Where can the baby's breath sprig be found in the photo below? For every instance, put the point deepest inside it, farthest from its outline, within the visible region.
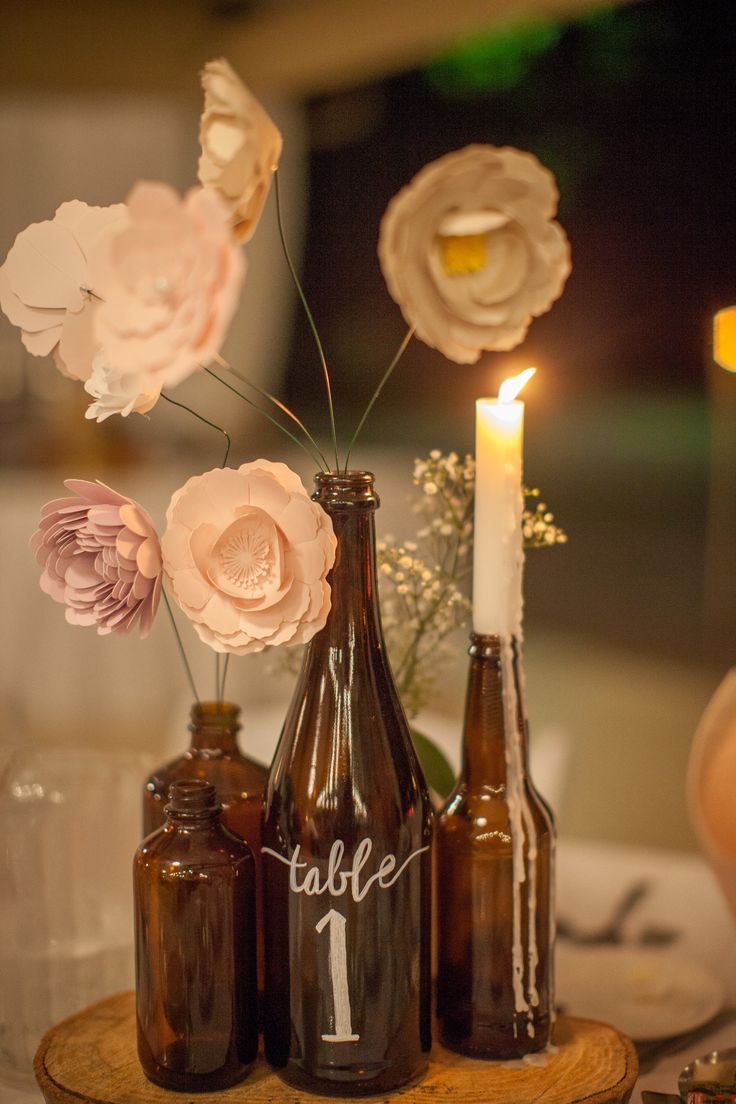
(538, 524)
(421, 605)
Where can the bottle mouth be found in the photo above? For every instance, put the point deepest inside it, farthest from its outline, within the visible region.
(193, 797)
(345, 488)
(212, 714)
(488, 646)
(484, 646)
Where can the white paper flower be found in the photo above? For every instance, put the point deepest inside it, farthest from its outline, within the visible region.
(169, 278)
(46, 285)
(118, 393)
(241, 146)
(469, 250)
(247, 553)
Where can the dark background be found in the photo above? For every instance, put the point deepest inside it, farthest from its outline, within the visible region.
(633, 110)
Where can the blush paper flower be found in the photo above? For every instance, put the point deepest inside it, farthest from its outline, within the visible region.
(169, 279)
(101, 558)
(115, 393)
(241, 146)
(470, 252)
(45, 284)
(247, 552)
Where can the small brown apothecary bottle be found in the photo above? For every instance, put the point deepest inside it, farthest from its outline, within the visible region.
(195, 940)
(214, 755)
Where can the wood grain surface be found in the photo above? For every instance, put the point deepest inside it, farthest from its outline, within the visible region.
(91, 1059)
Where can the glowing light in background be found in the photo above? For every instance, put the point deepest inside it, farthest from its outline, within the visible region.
(724, 338)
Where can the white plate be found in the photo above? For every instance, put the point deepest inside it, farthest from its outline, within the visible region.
(648, 994)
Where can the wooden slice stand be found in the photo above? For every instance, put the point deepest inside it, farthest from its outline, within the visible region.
(91, 1059)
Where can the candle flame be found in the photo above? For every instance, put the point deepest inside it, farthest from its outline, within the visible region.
(510, 388)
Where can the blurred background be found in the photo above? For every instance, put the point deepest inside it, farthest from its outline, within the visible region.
(630, 424)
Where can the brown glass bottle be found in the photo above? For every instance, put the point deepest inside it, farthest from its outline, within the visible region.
(195, 947)
(495, 845)
(346, 837)
(214, 755)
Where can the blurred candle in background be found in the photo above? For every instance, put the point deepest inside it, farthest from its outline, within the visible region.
(724, 338)
(498, 554)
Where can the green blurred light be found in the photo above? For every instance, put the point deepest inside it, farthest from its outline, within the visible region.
(493, 62)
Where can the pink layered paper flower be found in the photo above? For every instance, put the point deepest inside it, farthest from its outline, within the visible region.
(247, 553)
(169, 279)
(46, 285)
(101, 558)
(241, 146)
(470, 252)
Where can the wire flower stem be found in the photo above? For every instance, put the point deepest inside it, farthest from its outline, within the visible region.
(265, 414)
(224, 677)
(206, 421)
(397, 357)
(277, 402)
(180, 644)
(310, 318)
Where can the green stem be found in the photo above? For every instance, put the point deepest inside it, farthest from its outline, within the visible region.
(206, 421)
(277, 402)
(265, 414)
(310, 318)
(224, 677)
(181, 646)
(397, 357)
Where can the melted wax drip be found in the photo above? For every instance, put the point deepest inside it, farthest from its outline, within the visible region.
(521, 825)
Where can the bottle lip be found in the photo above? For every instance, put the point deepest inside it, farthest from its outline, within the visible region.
(345, 488)
(488, 645)
(193, 797)
(213, 713)
(484, 646)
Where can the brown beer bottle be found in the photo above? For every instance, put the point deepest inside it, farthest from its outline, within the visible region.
(214, 755)
(495, 843)
(346, 840)
(195, 944)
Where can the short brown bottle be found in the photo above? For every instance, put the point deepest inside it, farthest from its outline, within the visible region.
(195, 943)
(214, 755)
(495, 843)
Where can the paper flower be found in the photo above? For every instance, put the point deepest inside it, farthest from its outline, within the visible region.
(101, 558)
(469, 250)
(115, 393)
(241, 146)
(45, 284)
(247, 553)
(169, 279)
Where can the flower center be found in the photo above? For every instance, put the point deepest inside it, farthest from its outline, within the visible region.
(246, 560)
(464, 253)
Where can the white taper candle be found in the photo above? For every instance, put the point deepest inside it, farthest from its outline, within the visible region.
(499, 554)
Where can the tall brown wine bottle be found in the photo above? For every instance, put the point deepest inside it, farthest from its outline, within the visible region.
(346, 846)
(195, 940)
(495, 846)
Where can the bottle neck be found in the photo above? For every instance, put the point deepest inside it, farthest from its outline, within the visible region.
(351, 502)
(192, 804)
(490, 691)
(214, 727)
